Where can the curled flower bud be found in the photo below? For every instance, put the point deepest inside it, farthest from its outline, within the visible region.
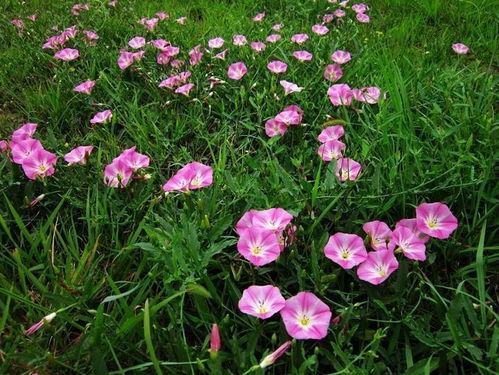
(271, 358)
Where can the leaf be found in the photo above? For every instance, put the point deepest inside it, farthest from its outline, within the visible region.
(118, 296)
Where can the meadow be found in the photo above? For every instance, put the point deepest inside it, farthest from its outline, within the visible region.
(148, 255)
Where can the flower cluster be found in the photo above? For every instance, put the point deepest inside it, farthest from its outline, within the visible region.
(291, 115)
(120, 171)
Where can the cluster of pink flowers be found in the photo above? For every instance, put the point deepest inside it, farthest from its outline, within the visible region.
(263, 235)
(121, 170)
(291, 115)
(77, 8)
(28, 152)
(409, 238)
(19, 24)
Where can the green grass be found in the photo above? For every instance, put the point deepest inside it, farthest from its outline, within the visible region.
(145, 278)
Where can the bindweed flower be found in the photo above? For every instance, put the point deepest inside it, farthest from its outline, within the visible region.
(239, 40)
(277, 67)
(327, 18)
(379, 234)
(195, 55)
(35, 201)
(85, 87)
(344, 3)
(149, 23)
(190, 177)
(257, 46)
(261, 301)
(258, 17)
(347, 169)
(460, 48)
(368, 95)
(360, 8)
(339, 13)
(331, 150)
(289, 117)
(271, 358)
(45, 320)
(406, 241)
(160, 43)
(302, 55)
(162, 15)
(412, 225)
(117, 174)
(181, 20)
(306, 317)
(26, 131)
(4, 146)
(290, 87)
(340, 94)
(78, 155)
(435, 220)
(170, 82)
(273, 38)
(378, 266)
(363, 18)
(185, 89)
(215, 341)
(237, 71)
(221, 55)
(23, 149)
(341, 57)
(259, 246)
(125, 59)
(320, 29)
(90, 35)
(277, 26)
(333, 72)
(216, 43)
(39, 164)
(299, 38)
(133, 159)
(137, 42)
(102, 117)
(273, 128)
(177, 63)
(67, 54)
(331, 133)
(346, 250)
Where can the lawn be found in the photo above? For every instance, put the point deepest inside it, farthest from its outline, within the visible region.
(139, 263)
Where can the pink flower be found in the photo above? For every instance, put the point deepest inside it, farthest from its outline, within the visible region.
(331, 150)
(221, 55)
(172, 51)
(339, 13)
(271, 358)
(258, 17)
(412, 225)
(149, 23)
(190, 177)
(405, 240)
(32, 17)
(162, 15)
(360, 8)
(347, 169)
(214, 81)
(75, 9)
(290, 87)
(327, 18)
(185, 89)
(344, 3)
(320, 29)
(40, 163)
(275, 219)
(85, 87)
(78, 155)
(299, 38)
(273, 38)
(435, 220)
(67, 54)
(40, 324)
(112, 3)
(19, 24)
(460, 48)
(362, 17)
(331, 133)
(367, 94)
(261, 301)
(306, 317)
(216, 43)
(258, 246)
(137, 56)
(184, 76)
(90, 35)
(181, 20)
(160, 43)
(177, 63)
(277, 26)
(289, 117)
(102, 117)
(4, 146)
(340, 94)
(195, 55)
(257, 46)
(379, 233)
(273, 128)
(237, 71)
(133, 159)
(347, 250)
(26, 131)
(118, 173)
(378, 266)
(302, 55)
(125, 59)
(137, 42)
(22, 150)
(341, 57)
(333, 72)
(170, 82)
(215, 341)
(277, 67)
(239, 40)
(70, 32)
